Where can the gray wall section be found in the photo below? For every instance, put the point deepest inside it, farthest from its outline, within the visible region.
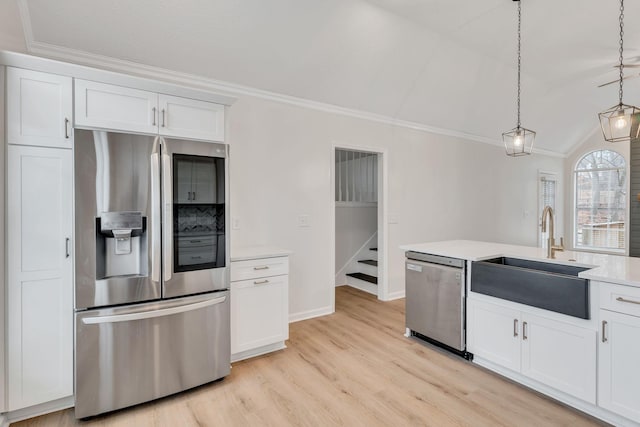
(354, 226)
(634, 204)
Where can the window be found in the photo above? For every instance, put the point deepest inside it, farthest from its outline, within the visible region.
(601, 201)
(547, 190)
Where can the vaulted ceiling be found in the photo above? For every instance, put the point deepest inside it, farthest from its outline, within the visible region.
(438, 63)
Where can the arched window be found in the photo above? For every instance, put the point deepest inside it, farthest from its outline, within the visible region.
(601, 201)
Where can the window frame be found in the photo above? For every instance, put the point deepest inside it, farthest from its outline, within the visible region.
(574, 214)
(546, 176)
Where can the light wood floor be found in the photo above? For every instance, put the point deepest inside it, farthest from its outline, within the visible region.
(353, 368)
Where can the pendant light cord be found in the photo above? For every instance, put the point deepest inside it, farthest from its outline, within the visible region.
(621, 48)
(519, 60)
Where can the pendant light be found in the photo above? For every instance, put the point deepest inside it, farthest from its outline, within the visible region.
(518, 141)
(620, 122)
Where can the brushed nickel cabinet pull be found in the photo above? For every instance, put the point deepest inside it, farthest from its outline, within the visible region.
(188, 195)
(66, 247)
(163, 118)
(260, 282)
(154, 116)
(524, 330)
(515, 327)
(66, 128)
(627, 300)
(604, 331)
(194, 195)
(264, 267)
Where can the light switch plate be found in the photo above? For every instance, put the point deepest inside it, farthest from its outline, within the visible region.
(235, 223)
(393, 218)
(303, 221)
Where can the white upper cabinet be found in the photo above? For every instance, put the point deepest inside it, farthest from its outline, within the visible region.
(105, 106)
(39, 108)
(190, 118)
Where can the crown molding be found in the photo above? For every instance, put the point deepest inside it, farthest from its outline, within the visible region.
(231, 89)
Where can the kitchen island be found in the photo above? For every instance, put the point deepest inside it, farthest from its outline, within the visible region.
(588, 363)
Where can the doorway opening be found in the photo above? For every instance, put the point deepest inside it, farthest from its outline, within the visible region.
(359, 242)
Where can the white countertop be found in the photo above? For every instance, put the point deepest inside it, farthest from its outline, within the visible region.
(603, 267)
(256, 252)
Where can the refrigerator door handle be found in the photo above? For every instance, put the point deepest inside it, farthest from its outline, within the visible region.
(155, 215)
(167, 200)
(149, 314)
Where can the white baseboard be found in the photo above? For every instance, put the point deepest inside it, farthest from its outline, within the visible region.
(258, 351)
(394, 295)
(304, 315)
(37, 410)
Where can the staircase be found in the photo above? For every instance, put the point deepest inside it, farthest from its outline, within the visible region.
(366, 278)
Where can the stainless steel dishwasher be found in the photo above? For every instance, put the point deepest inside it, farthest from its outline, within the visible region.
(435, 300)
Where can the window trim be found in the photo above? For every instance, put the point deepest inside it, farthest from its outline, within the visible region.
(574, 219)
(551, 176)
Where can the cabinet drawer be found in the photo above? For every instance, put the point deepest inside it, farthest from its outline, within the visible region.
(255, 268)
(620, 298)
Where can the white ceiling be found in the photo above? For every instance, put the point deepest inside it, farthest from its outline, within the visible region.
(435, 62)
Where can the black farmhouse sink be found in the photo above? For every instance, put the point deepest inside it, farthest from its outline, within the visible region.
(553, 287)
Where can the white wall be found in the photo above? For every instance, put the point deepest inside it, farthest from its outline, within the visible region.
(11, 33)
(354, 227)
(438, 187)
(594, 142)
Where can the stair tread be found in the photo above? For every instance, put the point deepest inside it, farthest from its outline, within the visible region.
(373, 249)
(365, 277)
(369, 262)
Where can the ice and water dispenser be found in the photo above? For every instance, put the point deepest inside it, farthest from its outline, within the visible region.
(121, 244)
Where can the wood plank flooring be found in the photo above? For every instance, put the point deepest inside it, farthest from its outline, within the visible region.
(353, 368)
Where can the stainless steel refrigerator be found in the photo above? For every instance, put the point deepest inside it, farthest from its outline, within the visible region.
(152, 268)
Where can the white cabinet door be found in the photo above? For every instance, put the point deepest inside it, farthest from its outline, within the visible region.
(560, 355)
(104, 106)
(259, 313)
(40, 286)
(493, 333)
(39, 108)
(190, 118)
(618, 371)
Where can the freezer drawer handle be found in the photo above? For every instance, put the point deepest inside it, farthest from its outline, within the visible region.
(152, 313)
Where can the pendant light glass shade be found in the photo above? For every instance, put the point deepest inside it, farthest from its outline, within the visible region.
(518, 141)
(620, 122)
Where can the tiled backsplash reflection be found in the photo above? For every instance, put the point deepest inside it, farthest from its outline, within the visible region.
(199, 219)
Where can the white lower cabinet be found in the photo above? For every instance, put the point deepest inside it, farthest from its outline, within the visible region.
(560, 355)
(259, 306)
(554, 353)
(40, 281)
(618, 365)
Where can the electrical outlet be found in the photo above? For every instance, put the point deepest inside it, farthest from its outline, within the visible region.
(393, 218)
(303, 221)
(235, 223)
